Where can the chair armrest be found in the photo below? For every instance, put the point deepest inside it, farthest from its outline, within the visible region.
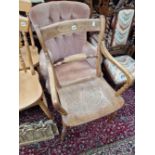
(131, 50)
(128, 75)
(53, 91)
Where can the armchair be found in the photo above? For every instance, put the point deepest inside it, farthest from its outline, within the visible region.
(71, 66)
(120, 47)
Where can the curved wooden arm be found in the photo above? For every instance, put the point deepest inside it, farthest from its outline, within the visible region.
(129, 77)
(51, 75)
(54, 94)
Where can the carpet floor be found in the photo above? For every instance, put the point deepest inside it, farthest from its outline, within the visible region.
(122, 147)
(94, 135)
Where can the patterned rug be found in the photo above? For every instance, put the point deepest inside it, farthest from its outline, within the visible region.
(123, 147)
(95, 135)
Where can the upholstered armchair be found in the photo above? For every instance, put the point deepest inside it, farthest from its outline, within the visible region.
(71, 66)
(120, 46)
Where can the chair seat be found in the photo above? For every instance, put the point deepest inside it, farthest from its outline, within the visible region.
(34, 54)
(118, 76)
(30, 90)
(73, 72)
(87, 101)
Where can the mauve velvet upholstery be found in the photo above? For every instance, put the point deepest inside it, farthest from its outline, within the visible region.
(59, 47)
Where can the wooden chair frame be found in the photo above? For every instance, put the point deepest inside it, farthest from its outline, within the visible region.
(71, 26)
(25, 6)
(41, 101)
(24, 25)
(119, 49)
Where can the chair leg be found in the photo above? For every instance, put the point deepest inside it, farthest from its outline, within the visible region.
(44, 100)
(111, 117)
(45, 109)
(63, 132)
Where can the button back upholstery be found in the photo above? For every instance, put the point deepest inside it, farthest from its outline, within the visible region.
(65, 45)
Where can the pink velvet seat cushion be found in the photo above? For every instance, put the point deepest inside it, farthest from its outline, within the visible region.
(74, 72)
(89, 64)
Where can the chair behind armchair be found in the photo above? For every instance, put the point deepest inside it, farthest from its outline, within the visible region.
(65, 45)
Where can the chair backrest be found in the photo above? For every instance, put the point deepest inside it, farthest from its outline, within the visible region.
(68, 28)
(49, 13)
(25, 6)
(21, 59)
(24, 24)
(122, 27)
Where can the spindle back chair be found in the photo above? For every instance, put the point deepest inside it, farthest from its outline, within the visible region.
(25, 6)
(30, 90)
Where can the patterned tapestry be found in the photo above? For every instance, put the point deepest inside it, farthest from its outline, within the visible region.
(114, 5)
(123, 25)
